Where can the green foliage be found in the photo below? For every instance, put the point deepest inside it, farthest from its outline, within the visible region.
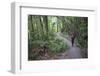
(42, 32)
(57, 45)
(54, 44)
(78, 25)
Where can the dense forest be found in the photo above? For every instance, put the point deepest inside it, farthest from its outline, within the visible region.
(47, 35)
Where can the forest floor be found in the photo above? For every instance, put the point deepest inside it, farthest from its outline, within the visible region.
(71, 53)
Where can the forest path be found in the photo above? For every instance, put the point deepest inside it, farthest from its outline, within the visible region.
(72, 52)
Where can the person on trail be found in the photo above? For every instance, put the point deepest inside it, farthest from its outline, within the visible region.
(73, 38)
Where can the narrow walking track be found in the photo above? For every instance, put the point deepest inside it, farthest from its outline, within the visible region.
(72, 52)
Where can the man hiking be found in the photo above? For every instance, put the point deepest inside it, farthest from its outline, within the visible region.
(73, 38)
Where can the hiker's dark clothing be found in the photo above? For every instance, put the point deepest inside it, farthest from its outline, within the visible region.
(72, 39)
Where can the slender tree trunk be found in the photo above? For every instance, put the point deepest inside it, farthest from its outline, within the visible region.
(45, 19)
(42, 30)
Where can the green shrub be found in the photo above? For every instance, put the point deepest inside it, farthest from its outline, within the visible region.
(53, 44)
(57, 46)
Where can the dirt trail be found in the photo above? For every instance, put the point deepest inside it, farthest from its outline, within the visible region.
(72, 52)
